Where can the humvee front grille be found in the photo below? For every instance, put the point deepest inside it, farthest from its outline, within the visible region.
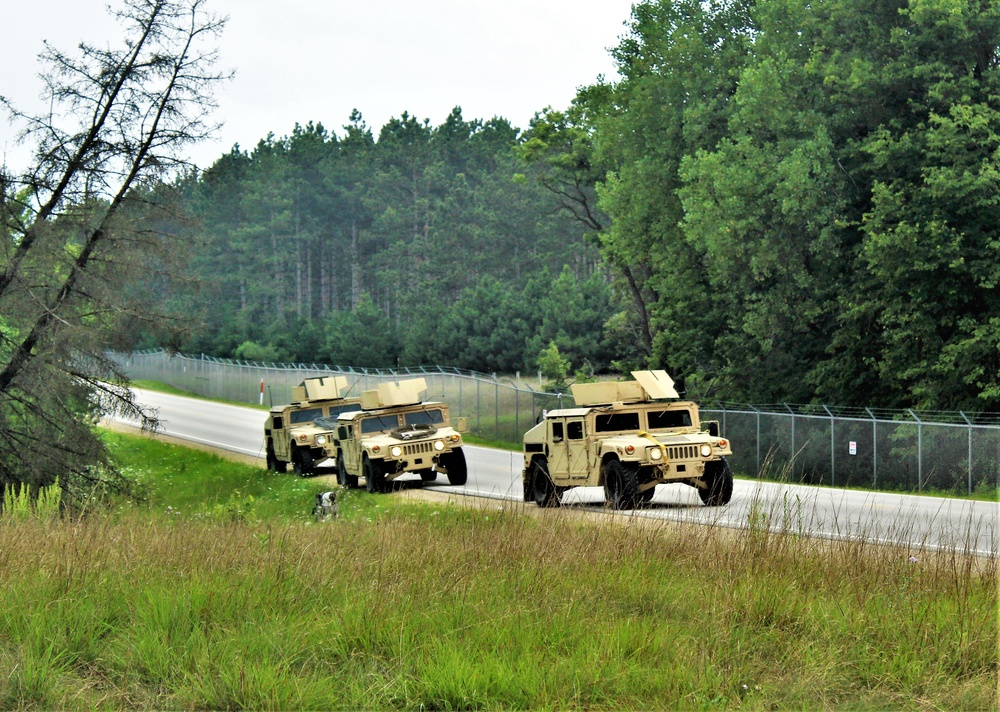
(682, 452)
(418, 448)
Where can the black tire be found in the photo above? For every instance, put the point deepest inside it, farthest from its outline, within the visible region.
(454, 463)
(543, 491)
(719, 478)
(374, 477)
(273, 463)
(348, 481)
(621, 485)
(302, 462)
(427, 475)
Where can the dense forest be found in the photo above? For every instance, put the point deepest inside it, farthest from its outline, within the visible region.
(425, 246)
(773, 200)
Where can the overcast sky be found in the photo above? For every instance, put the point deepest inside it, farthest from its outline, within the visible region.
(315, 60)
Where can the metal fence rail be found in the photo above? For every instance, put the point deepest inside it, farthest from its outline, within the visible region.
(880, 449)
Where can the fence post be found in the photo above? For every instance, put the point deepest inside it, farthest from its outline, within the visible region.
(874, 448)
(757, 413)
(791, 460)
(517, 407)
(920, 450)
(496, 407)
(969, 423)
(833, 449)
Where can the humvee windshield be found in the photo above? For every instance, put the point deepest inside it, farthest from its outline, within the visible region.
(306, 415)
(336, 410)
(330, 421)
(379, 424)
(616, 422)
(663, 419)
(423, 417)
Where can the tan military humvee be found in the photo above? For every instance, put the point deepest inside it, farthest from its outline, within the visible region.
(395, 432)
(292, 433)
(627, 437)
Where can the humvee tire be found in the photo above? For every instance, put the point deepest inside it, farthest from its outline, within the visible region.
(273, 463)
(719, 477)
(343, 478)
(621, 485)
(458, 471)
(543, 491)
(302, 462)
(374, 477)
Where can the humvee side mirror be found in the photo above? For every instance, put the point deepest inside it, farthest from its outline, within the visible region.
(712, 426)
(462, 425)
(342, 433)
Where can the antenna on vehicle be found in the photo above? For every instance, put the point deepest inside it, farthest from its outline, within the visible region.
(356, 382)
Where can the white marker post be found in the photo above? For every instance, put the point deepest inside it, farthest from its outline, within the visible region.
(261, 391)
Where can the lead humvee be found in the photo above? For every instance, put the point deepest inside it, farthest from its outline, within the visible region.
(395, 431)
(627, 437)
(291, 432)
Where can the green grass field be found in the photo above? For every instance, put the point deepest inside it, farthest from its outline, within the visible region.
(219, 592)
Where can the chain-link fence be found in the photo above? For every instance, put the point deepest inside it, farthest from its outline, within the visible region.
(889, 450)
(868, 448)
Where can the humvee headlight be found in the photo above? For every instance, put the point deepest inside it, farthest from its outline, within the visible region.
(629, 449)
(396, 450)
(655, 453)
(706, 450)
(454, 437)
(439, 445)
(321, 440)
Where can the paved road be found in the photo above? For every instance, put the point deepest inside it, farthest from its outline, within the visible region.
(918, 522)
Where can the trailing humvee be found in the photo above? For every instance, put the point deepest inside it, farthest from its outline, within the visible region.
(395, 431)
(292, 433)
(627, 437)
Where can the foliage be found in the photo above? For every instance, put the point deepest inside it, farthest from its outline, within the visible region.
(554, 367)
(18, 503)
(251, 351)
(800, 199)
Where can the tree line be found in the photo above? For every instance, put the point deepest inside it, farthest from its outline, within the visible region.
(428, 245)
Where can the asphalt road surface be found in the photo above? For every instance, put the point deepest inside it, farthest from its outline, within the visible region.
(918, 522)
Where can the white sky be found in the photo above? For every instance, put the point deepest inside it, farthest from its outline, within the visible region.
(315, 60)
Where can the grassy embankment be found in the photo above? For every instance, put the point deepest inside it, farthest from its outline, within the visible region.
(219, 592)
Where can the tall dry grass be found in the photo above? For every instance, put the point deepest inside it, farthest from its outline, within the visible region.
(440, 607)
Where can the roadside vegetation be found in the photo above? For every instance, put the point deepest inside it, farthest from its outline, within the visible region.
(219, 591)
